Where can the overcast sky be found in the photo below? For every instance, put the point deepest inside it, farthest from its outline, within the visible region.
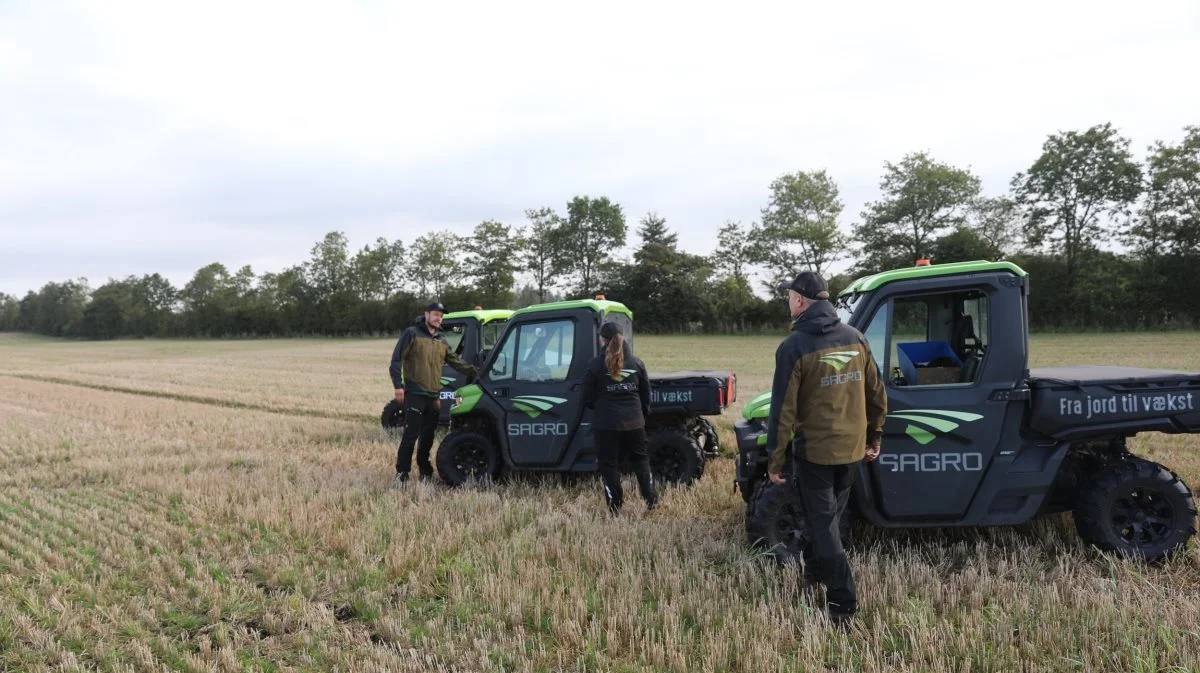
(128, 127)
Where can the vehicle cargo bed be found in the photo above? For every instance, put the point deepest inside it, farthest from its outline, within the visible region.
(1087, 401)
(706, 393)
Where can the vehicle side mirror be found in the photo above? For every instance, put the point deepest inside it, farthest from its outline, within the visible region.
(483, 356)
(500, 367)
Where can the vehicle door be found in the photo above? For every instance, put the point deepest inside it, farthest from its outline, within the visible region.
(944, 419)
(535, 379)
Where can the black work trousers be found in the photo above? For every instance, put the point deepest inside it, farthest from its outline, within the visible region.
(420, 423)
(825, 491)
(611, 446)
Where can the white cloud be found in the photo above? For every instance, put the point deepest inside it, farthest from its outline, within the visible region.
(128, 127)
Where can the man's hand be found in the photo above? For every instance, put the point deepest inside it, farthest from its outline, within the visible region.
(400, 395)
(777, 478)
(872, 452)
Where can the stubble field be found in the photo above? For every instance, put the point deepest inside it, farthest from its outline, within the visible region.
(196, 506)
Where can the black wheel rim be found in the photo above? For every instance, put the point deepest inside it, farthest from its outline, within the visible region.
(1142, 517)
(789, 528)
(472, 459)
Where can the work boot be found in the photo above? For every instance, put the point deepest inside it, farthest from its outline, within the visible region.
(841, 620)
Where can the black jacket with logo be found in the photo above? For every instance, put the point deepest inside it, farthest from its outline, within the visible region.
(827, 392)
(621, 403)
(418, 357)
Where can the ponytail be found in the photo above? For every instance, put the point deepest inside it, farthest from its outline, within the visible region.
(614, 355)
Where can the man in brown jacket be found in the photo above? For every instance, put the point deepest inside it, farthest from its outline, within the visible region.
(416, 371)
(827, 393)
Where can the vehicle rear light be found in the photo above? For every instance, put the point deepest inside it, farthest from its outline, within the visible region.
(732, 387)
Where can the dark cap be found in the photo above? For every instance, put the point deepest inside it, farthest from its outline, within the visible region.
(809, 284)
(609, 330)
(435, 306)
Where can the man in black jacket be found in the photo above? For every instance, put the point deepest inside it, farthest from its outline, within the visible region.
(827, 394)
(416, 371)
(617, 388)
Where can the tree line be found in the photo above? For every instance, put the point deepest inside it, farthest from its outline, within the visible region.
(1110, 243)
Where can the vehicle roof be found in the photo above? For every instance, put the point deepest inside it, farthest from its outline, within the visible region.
(874, 282)
(482, 316)
(597, 305)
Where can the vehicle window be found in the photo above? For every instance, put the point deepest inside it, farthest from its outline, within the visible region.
(937, 339)
(505, 360)
(492, 332)
(876, 334)
(454, 336)
(546, 350)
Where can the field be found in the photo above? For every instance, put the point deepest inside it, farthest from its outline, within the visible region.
(228, 506)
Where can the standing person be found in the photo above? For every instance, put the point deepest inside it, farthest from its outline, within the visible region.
(617, 388)
(828, 393)
(416, 371)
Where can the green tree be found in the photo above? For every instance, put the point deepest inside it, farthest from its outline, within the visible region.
(378, 270)
(997, 223)
(205, 300)
(543, 250)
(10, 310)
(1169, 220)
(922, 199)
(435, 263)
(593, 229)
(799, 227)
(493, 259)
(329, 265)
(732, 254)
(1079, 178)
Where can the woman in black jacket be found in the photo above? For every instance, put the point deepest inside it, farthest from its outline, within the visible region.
(617, 388)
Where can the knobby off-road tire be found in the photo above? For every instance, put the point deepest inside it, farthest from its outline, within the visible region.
(392, 417)
(675, 457)
(1136, 508)
(775, 522)
(467, 456)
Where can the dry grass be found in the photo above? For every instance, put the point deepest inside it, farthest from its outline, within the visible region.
(156, 530)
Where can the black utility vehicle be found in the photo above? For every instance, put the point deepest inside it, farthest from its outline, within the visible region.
(975, 438)
(525, 412)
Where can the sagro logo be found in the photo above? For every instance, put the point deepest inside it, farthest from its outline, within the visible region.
(446, 380)
(937, 419)
(536, 405)
(839, 360)
(625, 373)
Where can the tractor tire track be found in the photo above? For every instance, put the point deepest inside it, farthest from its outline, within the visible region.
(193, 399)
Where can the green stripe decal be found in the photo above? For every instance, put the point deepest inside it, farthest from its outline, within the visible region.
(937, 423)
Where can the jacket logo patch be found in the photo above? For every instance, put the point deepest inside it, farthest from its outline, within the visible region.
(536, 405)
(625, 373)
(839, 360)
(446, 380)
(934, 418)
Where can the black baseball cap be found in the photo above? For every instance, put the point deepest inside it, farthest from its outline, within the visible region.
(435, 306)
(809, 284)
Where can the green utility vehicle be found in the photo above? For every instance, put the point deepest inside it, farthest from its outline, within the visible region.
(973, 437)
(471, 335)
(525, 411)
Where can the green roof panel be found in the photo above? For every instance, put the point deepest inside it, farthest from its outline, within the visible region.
(482, 316)
(598, 305)
(874, 282)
